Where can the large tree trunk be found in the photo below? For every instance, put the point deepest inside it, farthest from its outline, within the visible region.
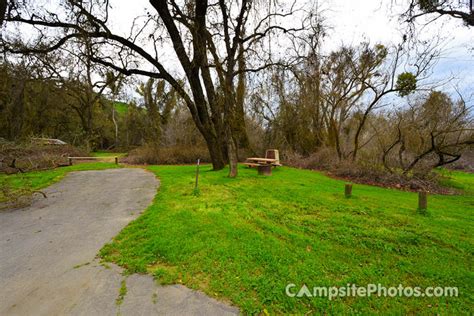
(239, 120)
(215, 151)
(232, 154)
(3, 10)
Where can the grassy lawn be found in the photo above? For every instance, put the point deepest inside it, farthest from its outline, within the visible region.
(459, 180)
(243, 240)
(24, 183)
(106, 154)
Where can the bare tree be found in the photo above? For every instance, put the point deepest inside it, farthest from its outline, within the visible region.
(115, 83)
(384, 80)
(330, 99)
(85, 82)
(210, 41)
(457, 9)
(432, 132)
(159, 102)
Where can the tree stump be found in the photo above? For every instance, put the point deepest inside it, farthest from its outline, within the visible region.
(265, 170)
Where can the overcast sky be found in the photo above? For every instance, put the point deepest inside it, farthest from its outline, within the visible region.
(377, 21)
(354, 21)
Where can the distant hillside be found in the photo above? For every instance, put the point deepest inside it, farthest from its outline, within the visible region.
(121, 107)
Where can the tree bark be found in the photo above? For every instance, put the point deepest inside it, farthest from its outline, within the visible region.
(215, 151)
(115, 124)
(239, 120)
(233, 155)
(3, 10)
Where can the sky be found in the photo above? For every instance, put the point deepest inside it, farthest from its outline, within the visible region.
(376, 21)
(354, 21)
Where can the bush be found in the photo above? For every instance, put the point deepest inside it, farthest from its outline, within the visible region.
(152, 154)
(28, 157)
(466, 163)
(367, 172)
(323, 159)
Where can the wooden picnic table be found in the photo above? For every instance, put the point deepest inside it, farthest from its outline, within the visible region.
(264, 165)
(262, 160)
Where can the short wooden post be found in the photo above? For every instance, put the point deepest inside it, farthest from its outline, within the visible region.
(116, 160)
(197, 174)
(348, 190)
(422, 200)
(70, 161)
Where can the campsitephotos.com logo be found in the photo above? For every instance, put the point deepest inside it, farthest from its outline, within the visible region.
(352, 290)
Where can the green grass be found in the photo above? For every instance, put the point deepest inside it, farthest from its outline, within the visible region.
(25, 183)
(122, 292)
(106, 154)
(459, 180)
(121, 108)
(243, 240)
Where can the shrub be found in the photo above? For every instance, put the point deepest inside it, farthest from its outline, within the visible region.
(466, 163)
(323, 159)
(367, 172)
(153, 154)
(24, 157)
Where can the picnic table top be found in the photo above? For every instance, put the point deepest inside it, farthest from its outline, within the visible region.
(262, 159)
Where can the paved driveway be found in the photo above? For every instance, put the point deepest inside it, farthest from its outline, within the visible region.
(48, 250)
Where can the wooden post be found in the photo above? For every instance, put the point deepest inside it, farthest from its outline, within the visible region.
(265, 170)
(70, 161)
(197, 175)
(116, 160)
(348, 190)
(422, 200)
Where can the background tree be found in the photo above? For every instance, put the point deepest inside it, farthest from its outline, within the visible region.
(3, 10)
(115, 83)
(457, 9)
(159, 101)
(327, 101)
(432, 132)
(209, 40)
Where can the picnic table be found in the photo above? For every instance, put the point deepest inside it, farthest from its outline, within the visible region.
(262, 160)
(264, 165)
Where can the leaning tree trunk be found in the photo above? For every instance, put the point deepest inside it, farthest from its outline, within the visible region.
(116, 127)
(231, 129)
(239, 120)
(114, 120)
(232, 153)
